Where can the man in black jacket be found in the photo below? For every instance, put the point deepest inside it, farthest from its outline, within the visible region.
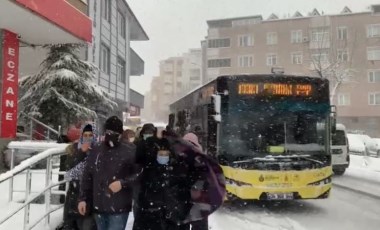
(108, 178)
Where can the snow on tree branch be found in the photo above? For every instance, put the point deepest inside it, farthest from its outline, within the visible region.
(64, 90)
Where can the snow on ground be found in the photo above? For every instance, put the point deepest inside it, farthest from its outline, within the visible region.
(362, 175)
(16, 222)
(343, 208)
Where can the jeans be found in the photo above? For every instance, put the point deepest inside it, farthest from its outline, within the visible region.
(200, 225)
(111, 221)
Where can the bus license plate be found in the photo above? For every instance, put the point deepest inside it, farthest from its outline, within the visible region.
(280, 196)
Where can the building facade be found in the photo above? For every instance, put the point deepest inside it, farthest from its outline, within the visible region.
(178, 76)
(345, 48)
(114, 28)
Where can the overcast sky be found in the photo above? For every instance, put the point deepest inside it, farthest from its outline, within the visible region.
(174, 26)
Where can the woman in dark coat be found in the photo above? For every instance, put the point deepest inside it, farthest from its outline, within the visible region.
(76, 156)
(163, 199)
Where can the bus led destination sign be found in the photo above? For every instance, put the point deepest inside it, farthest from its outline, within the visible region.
(279, 89)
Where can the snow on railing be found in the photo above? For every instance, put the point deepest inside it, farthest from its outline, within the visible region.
(50, 150)
(32, 160)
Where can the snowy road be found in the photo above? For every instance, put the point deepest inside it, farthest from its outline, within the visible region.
(344, 210)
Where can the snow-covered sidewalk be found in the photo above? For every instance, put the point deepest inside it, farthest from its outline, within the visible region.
(362, 176)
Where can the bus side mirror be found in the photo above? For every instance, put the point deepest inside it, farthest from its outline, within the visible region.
(217, 99)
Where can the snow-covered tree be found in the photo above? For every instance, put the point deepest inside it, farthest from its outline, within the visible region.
(64, 90)
(332, 57)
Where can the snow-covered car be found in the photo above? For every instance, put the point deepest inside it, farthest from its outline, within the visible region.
(377, 142)
(356, 144)
(369, 143)
(23, 154)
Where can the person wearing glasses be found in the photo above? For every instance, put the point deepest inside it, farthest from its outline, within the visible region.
(108, 179)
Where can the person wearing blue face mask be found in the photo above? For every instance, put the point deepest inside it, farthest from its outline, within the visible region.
(162, 199)
(74, 164)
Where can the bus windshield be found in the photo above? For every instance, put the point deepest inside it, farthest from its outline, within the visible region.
(278, 133)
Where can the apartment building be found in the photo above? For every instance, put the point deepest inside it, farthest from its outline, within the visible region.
(178, 76)
(347, 44)
(191, 70)
(114, 28)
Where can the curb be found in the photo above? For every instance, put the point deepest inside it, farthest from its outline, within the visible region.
(374, 196)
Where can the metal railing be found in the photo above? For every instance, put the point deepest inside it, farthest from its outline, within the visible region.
(48, 130)
(49, 152)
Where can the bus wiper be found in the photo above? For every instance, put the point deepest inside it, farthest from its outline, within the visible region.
(312, 160)
(274, 158)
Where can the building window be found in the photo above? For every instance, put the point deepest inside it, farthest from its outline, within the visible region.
(245, 40)
(373, 53)
(374, 98)
(245, 22)
(344, 99)
(271, 38)
(195, 73)
(195, 78)
(219, 43)
(374, 76)
(217, 63)
(106, 10)
(121, 24)
(322, 57)
(297, 58)
(343, 55)
(179, 74)
(179, 84)
(245, 61)
(373, 31)
(105, 59)
(342, 33)
(121, 70)
(296, 36)
(271, 59)
(319, 35)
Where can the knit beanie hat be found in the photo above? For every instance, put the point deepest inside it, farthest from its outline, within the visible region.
(114, 124)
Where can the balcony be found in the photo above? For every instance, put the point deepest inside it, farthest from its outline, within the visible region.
(137, 64)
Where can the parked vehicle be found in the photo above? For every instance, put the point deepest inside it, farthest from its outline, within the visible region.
(356, 144)
(377, 141)
(369, 143)
(22, 154)
(340, 150)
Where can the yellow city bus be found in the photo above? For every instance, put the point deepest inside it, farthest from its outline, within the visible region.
(270, 133)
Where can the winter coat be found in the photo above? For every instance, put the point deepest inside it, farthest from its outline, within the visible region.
(208, 180)
(104, 166)
(189, 171)
(164, 195)
(74, 157)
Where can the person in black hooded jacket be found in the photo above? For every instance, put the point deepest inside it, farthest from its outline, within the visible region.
(163, 199)
(108, 179)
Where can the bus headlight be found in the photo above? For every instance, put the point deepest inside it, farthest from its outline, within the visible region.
(324, 181)
(232, 182)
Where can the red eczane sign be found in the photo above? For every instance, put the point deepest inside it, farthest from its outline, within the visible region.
(9, 83)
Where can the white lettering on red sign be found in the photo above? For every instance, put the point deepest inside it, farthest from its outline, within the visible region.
(9, 86)
(11, 64)
(9, 103)
(11, 51)
(10, 91)
(9, 116)
(11, 77)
